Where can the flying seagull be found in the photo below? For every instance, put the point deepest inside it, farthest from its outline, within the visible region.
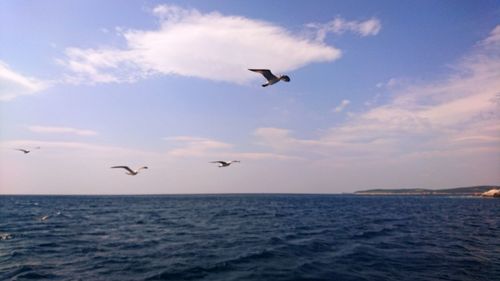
(130, 171)
(225, 163)
(271, 78)
(25, 150)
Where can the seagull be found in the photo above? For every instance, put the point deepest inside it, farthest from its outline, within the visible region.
(271, 78)
(130, 171)
(25, 150)
(225, 163)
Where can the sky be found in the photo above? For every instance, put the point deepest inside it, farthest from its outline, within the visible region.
(383, 94)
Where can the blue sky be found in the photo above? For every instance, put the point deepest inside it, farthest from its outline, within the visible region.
(383, 94)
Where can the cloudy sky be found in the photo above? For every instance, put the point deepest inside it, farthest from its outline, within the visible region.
(383, 94)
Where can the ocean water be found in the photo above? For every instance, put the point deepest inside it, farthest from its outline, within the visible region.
(249, 237)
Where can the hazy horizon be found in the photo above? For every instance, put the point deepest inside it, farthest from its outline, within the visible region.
(382, 95)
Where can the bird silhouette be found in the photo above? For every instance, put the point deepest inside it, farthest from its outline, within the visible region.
(225, 163)
(271, 78)
(130, 171)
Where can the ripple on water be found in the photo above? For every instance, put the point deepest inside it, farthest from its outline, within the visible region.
(249, 237)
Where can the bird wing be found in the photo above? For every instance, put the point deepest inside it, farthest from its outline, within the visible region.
(23, 150)
(220, 162)
(123, 167)
(266, 72)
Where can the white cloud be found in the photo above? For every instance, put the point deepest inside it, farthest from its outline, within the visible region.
(339, 25)
(61, 130)
(14, 84)
(101, 66)
(190, 43)
(342, 106)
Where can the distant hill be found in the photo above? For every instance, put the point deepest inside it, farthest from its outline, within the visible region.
(471, 190)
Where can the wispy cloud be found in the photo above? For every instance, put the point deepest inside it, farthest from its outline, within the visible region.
(262, 156)
(15, 84)
(195, 146)
(389, 84)
(454, 116)
(343, 104)
(204, 45)
(189, 147)
(282, 141)
(82, 148)
(493, 39)
(339, 25)
(61, 130)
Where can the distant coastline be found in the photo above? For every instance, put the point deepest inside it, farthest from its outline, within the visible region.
(460, 191)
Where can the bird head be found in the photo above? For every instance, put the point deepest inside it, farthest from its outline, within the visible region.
(285, 78)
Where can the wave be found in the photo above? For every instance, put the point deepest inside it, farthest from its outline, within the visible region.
(249, 238)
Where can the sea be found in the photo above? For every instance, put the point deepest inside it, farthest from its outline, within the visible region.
(249, 237)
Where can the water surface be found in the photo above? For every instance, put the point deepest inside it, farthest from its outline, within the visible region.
(249, 237)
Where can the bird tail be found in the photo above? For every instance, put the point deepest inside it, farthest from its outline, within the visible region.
(265, 85)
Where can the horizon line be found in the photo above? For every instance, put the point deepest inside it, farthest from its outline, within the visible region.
(171, 194)
(238, 193)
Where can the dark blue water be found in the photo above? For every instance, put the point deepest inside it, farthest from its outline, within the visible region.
(249, 237)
